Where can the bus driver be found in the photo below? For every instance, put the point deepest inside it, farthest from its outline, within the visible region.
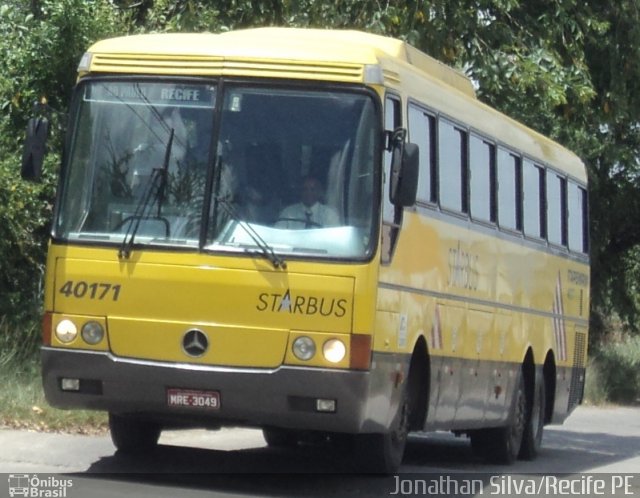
(309, 212)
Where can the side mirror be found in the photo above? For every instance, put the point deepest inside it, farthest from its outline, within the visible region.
(35, 146)
(404, 172)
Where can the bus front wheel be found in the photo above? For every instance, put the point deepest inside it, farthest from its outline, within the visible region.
(133, 435)
(277, 437)
(382, 453)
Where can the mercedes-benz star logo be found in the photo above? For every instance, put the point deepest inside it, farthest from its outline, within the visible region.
(195, 343)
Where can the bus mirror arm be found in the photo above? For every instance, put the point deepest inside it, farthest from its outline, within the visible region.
(404, 171)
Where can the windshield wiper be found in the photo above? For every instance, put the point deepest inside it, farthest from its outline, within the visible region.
(266, 250)
(158, 175)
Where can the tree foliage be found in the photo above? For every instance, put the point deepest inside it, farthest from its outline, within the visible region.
(41, 43)
(568, 68)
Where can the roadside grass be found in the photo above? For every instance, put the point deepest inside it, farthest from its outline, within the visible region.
(613, 373)
(595, 392)
(23, 405)
(22, 402)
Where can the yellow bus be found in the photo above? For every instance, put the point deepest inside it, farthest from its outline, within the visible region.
(312, 232)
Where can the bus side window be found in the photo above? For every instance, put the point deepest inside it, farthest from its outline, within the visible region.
(556, 209)
(452, 167)
(391, 215)
(482, 165)
(422, 133)
(577, 202)
(509, 190)
(533, 200)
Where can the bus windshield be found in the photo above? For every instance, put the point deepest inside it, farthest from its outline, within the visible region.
(290, 168)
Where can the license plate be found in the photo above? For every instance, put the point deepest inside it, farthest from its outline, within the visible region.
(191, 398)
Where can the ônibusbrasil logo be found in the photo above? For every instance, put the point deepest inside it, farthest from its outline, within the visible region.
(33, 486)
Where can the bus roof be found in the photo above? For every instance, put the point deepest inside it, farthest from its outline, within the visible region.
(327, 55)
(341, 48)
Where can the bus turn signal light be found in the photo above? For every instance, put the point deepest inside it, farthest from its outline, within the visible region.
(360, 352)
(47, 322)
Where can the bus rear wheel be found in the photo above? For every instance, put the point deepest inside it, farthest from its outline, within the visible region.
(133, 435)
(534, 426)
(501, 445)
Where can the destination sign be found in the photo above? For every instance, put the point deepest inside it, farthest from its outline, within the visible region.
(136, 93)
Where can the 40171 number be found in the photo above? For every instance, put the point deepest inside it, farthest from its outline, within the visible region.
(90, 290)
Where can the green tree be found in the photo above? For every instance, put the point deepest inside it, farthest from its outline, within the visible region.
(614, 63)
(40, 45)
(567, 68)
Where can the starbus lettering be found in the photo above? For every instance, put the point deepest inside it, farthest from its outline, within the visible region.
(463, 268)
(578, 278)
(301, 304)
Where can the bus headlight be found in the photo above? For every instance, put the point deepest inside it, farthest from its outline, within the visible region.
(92, 332)
(304, 348)
(334, 351)
(66, 331)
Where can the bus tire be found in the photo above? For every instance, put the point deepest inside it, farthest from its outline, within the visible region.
(133, 435)
(501, 445)
(277, 437)
(534, 425)
(382, 453)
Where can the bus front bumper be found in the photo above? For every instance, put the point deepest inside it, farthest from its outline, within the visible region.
(284, 397)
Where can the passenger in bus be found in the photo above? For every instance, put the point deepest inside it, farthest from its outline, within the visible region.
(258, 205)
(310, 212)
(259, 201)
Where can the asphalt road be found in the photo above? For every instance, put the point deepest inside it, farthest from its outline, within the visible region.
(596, 447)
